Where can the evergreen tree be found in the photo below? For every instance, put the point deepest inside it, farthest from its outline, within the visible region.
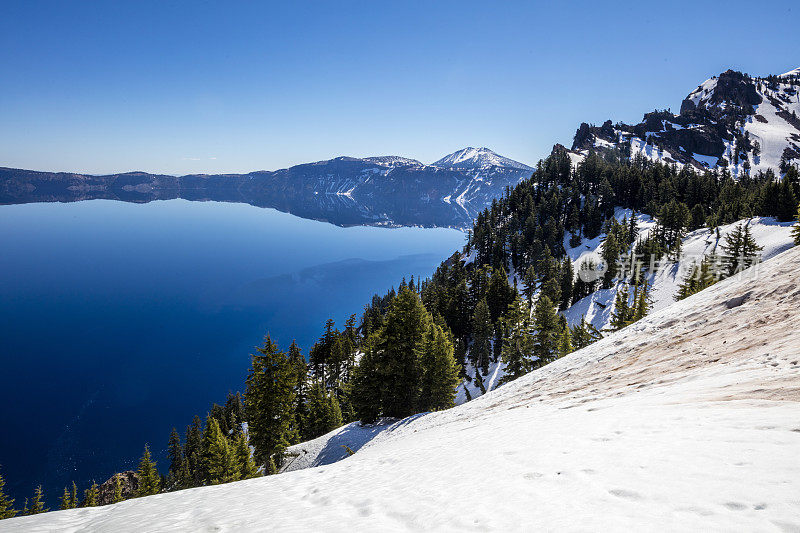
(324, 412)
(366, 386)
(481, 349)
(611, 253)
(439, 370)
(177, 462)
(698, 278)
(740, 250)
(193, 453)
(622, 313)
(567, 277)
(91, 495)
(269, 403)
(64, 501)
(545, 343)
(796, 228)
(73, 496)
(642, 302)
(584, 334)
(149, 479)
(406, 324)
(247, 467)
(6, 504)
(298, 363)
(320, 354)
(517, 351)
(117, 496)
(564, 339)
(220, 460)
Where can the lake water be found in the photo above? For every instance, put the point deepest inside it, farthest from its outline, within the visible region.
(119, 321)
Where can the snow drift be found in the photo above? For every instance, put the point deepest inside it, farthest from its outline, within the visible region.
(685, 420)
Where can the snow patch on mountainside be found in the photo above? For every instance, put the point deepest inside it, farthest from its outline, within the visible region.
(686, 420)
(477, 158)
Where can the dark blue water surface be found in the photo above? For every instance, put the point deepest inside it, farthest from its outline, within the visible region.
(119, 321)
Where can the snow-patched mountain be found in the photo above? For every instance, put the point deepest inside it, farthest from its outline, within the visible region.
(684, 421)
(477, 158)
(732, 121)
(383, 190)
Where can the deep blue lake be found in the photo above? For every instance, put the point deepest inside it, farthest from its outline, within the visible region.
(119, 321)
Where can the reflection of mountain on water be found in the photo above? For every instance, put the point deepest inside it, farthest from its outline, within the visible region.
(343, 191)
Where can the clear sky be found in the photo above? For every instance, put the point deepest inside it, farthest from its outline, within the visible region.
(180, 87)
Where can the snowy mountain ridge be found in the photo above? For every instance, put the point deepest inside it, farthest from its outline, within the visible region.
(655, 427)
(476, 159)
(732, 121)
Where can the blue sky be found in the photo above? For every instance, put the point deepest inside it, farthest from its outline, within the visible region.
(180, 87)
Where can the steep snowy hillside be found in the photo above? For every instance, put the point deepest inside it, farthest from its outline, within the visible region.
(477, 158)
(686, 420)
(731, 121)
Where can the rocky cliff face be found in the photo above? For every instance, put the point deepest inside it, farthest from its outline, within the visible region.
(734, 121)
(129, 481)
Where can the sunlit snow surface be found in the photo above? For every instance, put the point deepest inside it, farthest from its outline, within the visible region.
(686, 420)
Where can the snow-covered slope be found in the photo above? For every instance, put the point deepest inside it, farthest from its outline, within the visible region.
(476, 159)
(686, 420)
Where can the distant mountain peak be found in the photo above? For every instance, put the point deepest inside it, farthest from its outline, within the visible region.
(477, 158)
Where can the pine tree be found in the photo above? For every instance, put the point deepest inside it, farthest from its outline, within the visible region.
(247, 467)
(567, 278)
(91, 495)
(517, 351)
(149, 479)
(73, 496)
(64, 501)
(193, 452)
(117, 496)
(6, 504)
(177, 462)
(796, 229)
(439, 370)
(298, 363)
(481, 349)
(611, 252)
(269, 402)
(324, 412)
(740, 250)
(366, 384)
(545, 343)
(564, 339)
(622, 313)
(584, 334)
(406, 324)
(642, 302)
(699, 277)
(220, 460)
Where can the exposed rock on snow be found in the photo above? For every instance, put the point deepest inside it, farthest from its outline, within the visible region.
(686, 420)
